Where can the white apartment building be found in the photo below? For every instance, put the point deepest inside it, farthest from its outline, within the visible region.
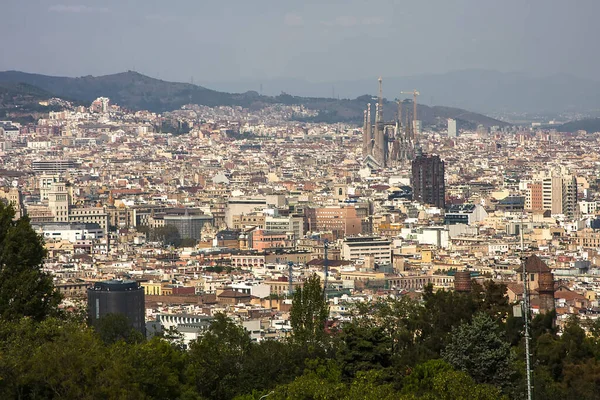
(559, 192)
(291, 224)
(452, 132)
(357, 248)
(71, 232)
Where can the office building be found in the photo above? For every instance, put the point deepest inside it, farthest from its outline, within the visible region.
(288, 224)
(71, 231)
(452, 131)
(123, 297)
(554, 191)
(53, 166)
(188, 225)
(428, 180)
(534, 198)
(467, 214)
(58, 201)
(242, 206)
(364, 248)
(339, 220)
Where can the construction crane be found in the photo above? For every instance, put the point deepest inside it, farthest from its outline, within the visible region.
(415, 93)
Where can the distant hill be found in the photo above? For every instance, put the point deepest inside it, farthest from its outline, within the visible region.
(475, 89)
(129, 89)
(19, 92)
(590, 125)
(20, 101)
(136, 91)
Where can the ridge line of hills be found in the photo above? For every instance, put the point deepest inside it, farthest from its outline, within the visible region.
(136, 91)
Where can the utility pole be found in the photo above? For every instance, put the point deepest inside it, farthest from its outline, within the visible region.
(526, 315)
(326, 266)
(290, 278)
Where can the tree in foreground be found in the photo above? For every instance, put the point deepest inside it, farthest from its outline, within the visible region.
(114, 327)
(216, 359)
(479, 349)
(309, 312)
(25, 290)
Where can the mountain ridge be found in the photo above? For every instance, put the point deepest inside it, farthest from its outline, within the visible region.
(479, 90)
(136, 91)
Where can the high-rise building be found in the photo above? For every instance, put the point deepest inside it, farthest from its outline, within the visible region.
(482, 131)
(452, 132)
(117, 297)
(554, 191)
(428, 180)
(534, 198)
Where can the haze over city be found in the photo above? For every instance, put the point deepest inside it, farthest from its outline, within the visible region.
(324, 200)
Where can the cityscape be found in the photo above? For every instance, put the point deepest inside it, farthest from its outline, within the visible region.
(165, 240)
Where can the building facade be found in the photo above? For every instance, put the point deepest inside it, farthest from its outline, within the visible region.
(117, 297)
(188, 225)
(360, 248)
(341, 221)
(428, 180)
(452, 132)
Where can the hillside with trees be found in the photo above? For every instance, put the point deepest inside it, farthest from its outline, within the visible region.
(135, 91)
(591, 125)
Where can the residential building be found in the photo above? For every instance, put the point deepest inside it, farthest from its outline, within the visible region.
(356, 249)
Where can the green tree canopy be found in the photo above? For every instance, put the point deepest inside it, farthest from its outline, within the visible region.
(436, 380)
(309, 312)
(217, 359)
(25, 290)
(114, 327)
(479, 349)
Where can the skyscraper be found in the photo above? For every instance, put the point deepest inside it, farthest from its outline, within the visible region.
(428, 180)
(452, 132)
(554, 190)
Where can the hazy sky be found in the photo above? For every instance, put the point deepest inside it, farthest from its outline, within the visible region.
(215, 40)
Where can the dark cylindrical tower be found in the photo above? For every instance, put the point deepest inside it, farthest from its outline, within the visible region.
(117, 297)
(462, 281)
